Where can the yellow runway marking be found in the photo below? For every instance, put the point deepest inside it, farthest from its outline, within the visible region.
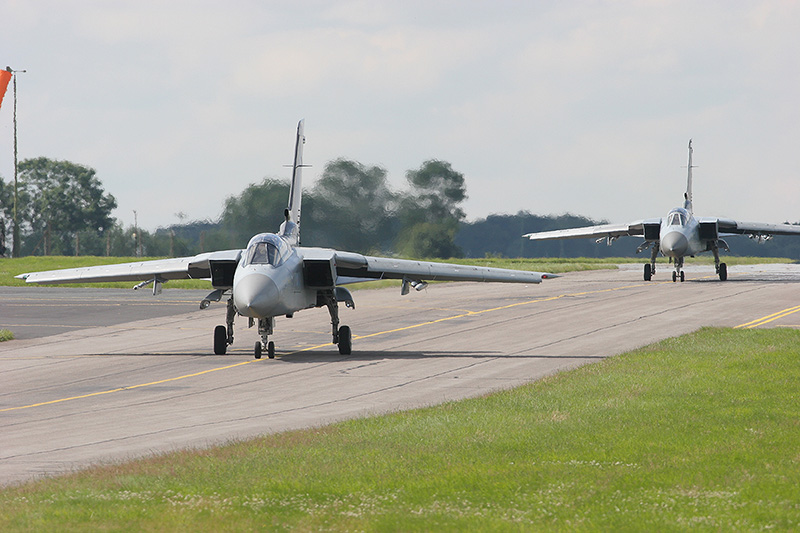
(227, 367)
(119, 389)
(769, 318)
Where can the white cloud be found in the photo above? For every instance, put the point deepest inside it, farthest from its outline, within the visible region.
(547, 107)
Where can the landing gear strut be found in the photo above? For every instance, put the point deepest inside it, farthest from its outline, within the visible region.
(650, 268)
(223, 335)
(721, 268)
(265, 329)
(341, 335)
(678, 273)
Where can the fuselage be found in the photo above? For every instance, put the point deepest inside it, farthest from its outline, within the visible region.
(268, 280)
(679, 235)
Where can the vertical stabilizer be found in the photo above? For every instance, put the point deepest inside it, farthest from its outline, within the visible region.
(290, 229)
(687, 197)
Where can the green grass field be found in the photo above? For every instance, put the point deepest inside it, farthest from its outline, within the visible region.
(696, 433)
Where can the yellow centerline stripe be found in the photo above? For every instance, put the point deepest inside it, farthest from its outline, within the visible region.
(227, 367)
(769, 318)
(119, 389)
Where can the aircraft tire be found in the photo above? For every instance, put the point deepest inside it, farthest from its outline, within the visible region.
(674, 277)
(271, 350)
(723, 272)
(257, 350)
(220, 340)
(683, 276)
(648, 272)
(345, 340)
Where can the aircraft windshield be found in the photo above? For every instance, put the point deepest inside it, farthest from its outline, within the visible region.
(677, 219)
(266, 250)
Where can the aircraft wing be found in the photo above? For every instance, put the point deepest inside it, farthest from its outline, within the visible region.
(350, 267)
(729, 226)
(604, 230)
(196, 267)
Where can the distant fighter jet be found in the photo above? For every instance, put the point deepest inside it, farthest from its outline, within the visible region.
(274, 276)
(677, 235)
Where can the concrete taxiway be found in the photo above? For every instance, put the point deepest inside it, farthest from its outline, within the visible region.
(133, 386)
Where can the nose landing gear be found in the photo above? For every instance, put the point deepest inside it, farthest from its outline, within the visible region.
(270, 349)
(265, 328)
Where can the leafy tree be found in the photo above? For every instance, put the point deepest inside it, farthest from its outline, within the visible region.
(257, 209)
(501, 234)
(6, 215)
(58, 202)
(429, 239)
(436, 192)
(430, 212)
(353, 208)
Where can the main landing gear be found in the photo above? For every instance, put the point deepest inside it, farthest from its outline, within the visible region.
(722, 268)
(650, 268)
(341, 335)
(223, 335)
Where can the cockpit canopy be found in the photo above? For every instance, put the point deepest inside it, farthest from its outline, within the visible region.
(266, 249)
(678, 217)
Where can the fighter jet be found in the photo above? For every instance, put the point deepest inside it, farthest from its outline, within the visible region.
(274, 276)
(678, 235)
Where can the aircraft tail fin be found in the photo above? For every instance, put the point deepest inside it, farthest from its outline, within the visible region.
(290, 228)
(687, 196)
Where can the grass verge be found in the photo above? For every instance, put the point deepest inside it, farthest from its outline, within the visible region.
(5, 335)
(699, 432)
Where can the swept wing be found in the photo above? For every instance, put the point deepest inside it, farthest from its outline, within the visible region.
(730, 226)
(604, 230)
(346, 264)
(351, 267)
(195, 267)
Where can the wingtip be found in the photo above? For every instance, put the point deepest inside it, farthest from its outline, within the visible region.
(22, 276)
(550, 276)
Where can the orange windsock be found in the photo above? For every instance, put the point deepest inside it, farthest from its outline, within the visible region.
(5, 77)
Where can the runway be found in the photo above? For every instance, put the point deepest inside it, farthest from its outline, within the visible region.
(134, 386)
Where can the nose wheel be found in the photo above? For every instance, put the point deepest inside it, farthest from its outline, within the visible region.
(265, 329)
(259, 349)
(678, 273)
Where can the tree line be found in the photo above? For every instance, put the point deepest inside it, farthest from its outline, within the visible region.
(63, 210)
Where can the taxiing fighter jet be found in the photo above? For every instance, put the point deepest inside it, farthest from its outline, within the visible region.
(677, 235)
(275, 276)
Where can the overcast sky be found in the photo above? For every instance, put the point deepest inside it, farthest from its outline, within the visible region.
(552, 107)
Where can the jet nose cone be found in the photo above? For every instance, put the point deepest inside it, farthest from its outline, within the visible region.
(255, 296)
(674, 244)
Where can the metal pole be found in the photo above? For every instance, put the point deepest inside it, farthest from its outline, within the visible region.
(15, 236)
